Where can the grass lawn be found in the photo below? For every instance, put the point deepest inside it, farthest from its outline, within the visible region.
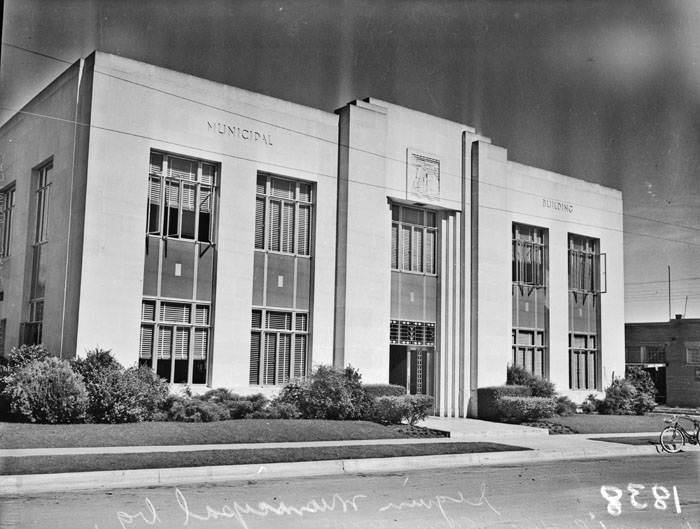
(591, 423)
(22, 435)
(84, 463)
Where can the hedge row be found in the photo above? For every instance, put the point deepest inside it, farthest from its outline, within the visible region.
(38, 387)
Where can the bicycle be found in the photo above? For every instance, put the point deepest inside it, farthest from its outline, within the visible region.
(673, 437)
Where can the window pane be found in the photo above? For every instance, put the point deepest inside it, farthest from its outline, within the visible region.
(282, 188)
(304, 230)
(275, 225)
(182, 169)
(269, 361)
(405, 248)
(417, 265)
(430, 251)
(411, 215)
(287, 243)
(260, 222)
(394, 246)
(254, 358)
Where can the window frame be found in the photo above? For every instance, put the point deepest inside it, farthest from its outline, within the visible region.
(158, 323)
(692, 346)
(164, 180)
(6, 216)
(428, 262)
(257, 375)
(264, 224)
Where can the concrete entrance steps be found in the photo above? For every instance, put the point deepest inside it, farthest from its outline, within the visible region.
(474, 429)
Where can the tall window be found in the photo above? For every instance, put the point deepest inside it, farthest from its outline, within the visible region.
(584, 312)
(32, 329)
(176, 327)
(413, 239)
(530, 305)
(180, 197)
(278, 346)
(283, 215)
(7, 206)
(175, 340)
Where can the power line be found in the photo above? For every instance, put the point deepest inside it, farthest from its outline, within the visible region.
(377, 186)
(334, 142)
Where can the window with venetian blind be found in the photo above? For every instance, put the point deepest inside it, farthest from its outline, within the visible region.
(278, 346)
(283, 215)
(413, 239)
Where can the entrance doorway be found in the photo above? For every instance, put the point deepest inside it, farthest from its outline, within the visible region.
(413, 368)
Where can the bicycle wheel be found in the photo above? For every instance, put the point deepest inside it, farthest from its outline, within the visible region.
(671, 439)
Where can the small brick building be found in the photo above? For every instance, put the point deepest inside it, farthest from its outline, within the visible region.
(670, 352)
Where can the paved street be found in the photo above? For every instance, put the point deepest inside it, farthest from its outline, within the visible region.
(661, 491)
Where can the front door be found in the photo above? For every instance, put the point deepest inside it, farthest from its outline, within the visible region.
(413, 368)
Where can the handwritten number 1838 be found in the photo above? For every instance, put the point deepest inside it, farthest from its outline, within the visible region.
(661, 494)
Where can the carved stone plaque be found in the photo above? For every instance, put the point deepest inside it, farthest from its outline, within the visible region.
(422, 175)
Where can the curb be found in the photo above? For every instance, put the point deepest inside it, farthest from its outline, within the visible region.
(112, 479)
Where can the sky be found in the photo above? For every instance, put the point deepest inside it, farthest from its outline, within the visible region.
(608, 92)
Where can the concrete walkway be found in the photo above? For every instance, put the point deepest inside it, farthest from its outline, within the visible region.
(537, 443)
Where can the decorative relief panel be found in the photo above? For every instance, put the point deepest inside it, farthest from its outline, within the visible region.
(422, 175)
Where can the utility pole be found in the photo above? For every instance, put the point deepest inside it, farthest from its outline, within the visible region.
(669, 292)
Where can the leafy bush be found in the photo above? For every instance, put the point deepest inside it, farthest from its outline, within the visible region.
(539, 387)
(239, 407)
(24, 354)
(419, 407)
(390, 410)
(488, 396)
(384, 390)
(623, 398)
(329, 393)
(565, 406)
(525, 409)
(117, 395)
(187, 409)
(646, 389)
(276, 410)
(396, 410)
(45, 390)
(591, 404)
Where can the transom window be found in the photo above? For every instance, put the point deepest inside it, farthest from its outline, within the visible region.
(278, 346)
(7, 206)
(175, 340)
(283, 215)
(412, 332)
(413, 239)
(180, 197)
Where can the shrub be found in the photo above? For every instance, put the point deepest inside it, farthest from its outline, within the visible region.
(539, 387)
(646, 389)
(45, 390)
(384, 390)
(390, 410)
(396, 410)
(24, 354)
(419, 406)
(623, 398)
(565, 406)
(187, 409)
(239, 407)
(487, 397)
(118, 395)
(276, 410)
(329, 393)
(591, 404)
(619, 398)
(525, 409)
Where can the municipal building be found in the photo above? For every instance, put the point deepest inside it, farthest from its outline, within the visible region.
(227, 238)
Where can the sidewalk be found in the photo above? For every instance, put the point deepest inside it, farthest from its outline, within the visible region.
(537, 443)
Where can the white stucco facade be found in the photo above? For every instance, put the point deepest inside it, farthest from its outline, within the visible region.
(369, 166)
